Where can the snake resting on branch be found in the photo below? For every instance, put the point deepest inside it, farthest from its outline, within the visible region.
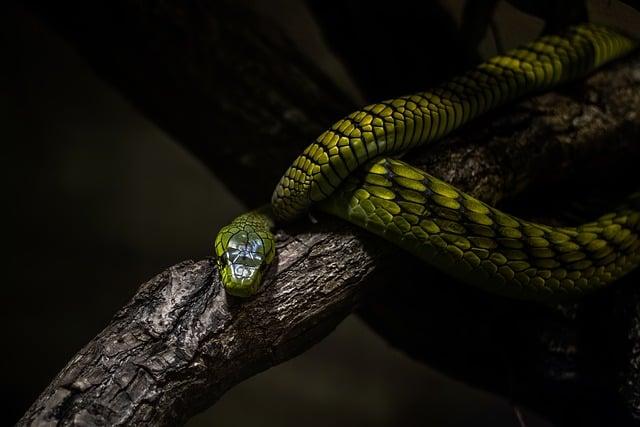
(466, 238)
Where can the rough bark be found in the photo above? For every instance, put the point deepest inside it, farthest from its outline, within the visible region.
(242, 101)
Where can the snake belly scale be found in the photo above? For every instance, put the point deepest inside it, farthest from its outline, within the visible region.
(431, 219)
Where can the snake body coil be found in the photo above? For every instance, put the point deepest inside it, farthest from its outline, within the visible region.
(431, 219)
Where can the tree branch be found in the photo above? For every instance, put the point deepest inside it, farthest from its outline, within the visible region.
(181, 342)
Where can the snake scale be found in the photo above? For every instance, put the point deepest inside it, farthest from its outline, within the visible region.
(429, 218)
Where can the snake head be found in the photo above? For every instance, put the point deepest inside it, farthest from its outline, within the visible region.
(244, 249)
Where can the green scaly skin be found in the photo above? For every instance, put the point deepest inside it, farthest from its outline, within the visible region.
(431, 219)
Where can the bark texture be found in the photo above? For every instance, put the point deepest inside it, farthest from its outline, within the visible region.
(234, 90)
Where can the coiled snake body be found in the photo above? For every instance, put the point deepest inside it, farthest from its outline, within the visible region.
(431, 219)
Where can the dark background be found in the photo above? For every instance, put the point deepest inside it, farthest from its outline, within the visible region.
(91, 215)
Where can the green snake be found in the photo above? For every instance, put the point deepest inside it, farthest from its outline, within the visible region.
(466, 238)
